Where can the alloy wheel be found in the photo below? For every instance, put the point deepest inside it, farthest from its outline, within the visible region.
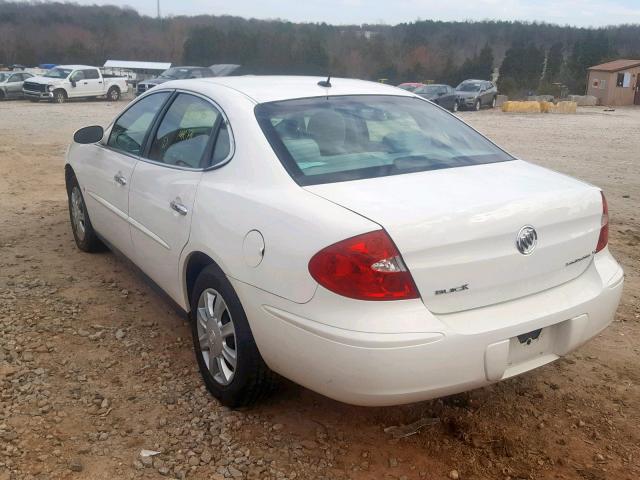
(78, 213)
(217, 336)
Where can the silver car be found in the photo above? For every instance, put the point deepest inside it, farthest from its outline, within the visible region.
(475, 94)
(11, 84)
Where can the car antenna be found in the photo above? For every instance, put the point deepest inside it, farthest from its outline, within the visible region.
(325, 83)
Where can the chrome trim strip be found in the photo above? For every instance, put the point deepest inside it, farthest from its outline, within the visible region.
(232, 143)
(108, 206)
(129, 220)
(148, 233)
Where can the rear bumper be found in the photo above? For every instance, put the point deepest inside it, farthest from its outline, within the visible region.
(422, 356)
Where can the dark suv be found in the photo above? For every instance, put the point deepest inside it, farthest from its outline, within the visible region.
(174, 73)
(475, 94)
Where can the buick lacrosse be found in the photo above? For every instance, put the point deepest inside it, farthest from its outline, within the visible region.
(350, 236)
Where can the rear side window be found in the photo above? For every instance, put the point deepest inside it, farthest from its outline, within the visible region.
(130, 129)
(90, 74)
(333, 139)
(185, 132)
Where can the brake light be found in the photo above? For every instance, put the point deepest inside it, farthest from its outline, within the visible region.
(365, 267)
(604, 225)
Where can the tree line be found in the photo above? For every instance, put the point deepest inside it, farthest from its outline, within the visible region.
(528, 56)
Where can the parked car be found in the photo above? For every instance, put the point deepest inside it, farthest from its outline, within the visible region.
(410, 86)
(352, 237)
(475, 94)
(174, 73)
(442, 95)
(11, 84)
(74, 81)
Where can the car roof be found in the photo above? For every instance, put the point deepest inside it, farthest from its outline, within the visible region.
(74, 67)
(270, 88)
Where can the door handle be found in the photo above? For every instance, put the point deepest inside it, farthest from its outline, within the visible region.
(178, 207)
(120, 179)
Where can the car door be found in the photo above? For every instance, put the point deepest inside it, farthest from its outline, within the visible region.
(92, 82)
(14, 85)
(164, 185)
(78, 87)
(447, 98)
(486, 93)
(107, 172)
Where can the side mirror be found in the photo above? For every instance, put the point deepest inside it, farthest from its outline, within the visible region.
(73, 82)
(89, 135)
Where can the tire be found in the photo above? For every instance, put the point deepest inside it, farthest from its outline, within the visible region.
(493, 102)
(59, 96)
(215, 306)
(2, 96)
(455, 107)
(83, 232)
(477, 105)
(113, 95)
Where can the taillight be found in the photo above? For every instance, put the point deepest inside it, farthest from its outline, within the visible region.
(365, 267)
(604, 225)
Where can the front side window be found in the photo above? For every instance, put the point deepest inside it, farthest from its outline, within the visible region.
(184, 133)
(77, 76)
(333, 139)
(130, 129)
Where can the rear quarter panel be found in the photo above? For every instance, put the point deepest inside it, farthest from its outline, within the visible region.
(254, 192)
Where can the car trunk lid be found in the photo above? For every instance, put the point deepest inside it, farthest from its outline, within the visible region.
(456, 228)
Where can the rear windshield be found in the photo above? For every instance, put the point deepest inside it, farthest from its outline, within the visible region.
(341, 138)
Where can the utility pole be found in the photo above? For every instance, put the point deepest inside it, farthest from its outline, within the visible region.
(158, 7)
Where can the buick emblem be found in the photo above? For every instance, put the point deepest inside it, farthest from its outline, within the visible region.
(526, 240)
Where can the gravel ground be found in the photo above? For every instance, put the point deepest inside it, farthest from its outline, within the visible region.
(96, 367)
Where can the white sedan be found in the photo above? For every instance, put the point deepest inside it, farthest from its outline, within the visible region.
(347, 235)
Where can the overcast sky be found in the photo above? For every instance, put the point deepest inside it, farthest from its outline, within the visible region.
(572, 12)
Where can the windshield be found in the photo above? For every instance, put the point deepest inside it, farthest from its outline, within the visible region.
(177, 73)
(468, 87)
(333, 139)
(428, 89)
(58, 73)
(3, 76)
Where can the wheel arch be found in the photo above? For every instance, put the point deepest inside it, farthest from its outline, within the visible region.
(194, 263)
(69, 174)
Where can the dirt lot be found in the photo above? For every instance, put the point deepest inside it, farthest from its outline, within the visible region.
(95, 366)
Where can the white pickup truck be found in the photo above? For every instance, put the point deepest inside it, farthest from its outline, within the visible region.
(74, 81)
